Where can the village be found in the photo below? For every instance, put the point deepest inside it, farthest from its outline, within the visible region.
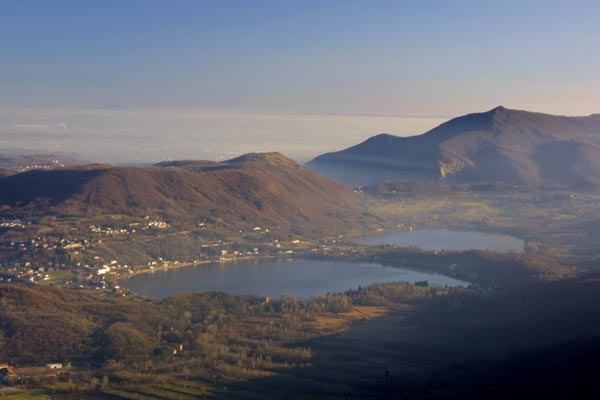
(78, 258)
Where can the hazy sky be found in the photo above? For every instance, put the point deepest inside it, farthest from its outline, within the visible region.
(297, 76)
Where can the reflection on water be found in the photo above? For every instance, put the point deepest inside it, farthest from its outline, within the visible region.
(276, 277)
(445, 239)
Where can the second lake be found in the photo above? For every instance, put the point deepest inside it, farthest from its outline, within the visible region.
(446, 239)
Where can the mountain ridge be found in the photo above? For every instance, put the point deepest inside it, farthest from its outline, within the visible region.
(499, 145)
(268, 189)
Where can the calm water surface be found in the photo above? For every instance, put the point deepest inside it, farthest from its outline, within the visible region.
(445, 239)
(276, 277)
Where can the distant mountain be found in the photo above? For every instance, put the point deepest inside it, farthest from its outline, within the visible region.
(501, 145)
(267, 189)
(10, 163)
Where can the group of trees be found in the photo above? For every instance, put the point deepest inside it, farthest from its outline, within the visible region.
(49, 324)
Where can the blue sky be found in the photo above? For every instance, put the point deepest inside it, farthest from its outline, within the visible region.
(423, 58)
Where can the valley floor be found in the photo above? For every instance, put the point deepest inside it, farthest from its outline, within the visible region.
(528, 317)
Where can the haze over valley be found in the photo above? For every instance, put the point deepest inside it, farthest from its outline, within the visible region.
(145, 136)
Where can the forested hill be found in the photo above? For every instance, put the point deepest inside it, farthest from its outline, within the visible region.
(256, 189)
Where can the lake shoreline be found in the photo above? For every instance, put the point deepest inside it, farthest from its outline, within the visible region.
(297, 276)
(149, 271)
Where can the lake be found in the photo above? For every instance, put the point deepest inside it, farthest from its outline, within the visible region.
(276, 277)
(446, 239)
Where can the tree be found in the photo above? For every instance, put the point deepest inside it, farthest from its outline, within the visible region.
(124, 342)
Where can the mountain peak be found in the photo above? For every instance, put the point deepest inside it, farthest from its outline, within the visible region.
(497, 111)
(382, 137)
(273, 157)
